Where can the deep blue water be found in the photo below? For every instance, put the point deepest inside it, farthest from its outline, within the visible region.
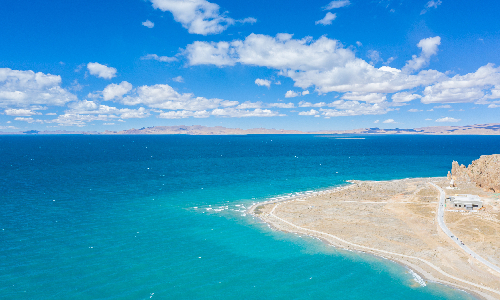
(114, 217)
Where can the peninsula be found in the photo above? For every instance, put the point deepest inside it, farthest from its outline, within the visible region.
(407, 221)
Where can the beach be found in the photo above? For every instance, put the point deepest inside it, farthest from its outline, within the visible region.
(397, 220)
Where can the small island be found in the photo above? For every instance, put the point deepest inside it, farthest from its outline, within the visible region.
(414, 222)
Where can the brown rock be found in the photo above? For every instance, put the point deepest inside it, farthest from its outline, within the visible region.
(485, 172)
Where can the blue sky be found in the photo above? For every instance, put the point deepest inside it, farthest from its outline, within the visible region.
(305, 65)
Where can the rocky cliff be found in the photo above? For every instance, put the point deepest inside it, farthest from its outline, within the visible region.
(485, 172)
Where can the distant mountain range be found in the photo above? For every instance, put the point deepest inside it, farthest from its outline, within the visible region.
(479, 129)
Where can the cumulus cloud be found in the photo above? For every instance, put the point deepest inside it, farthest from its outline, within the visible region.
(376, 121)
(29, 120)
(248, 104)
(158, 58)
(336, 4)
(367, 97)
(309, 104)
(431, 4)
(21, 112)
(238, 113)
(148, 24)
(448, 119)
(24, 88)
(389, 121)
(323, 63)
(311, 112)
(82, 112)
(115, 91)
(101, 71)
(198, 16)
(429, 47)
(306, 92)
(480, 85)
(327, 20)
(181, 114)
(355, 108)
(442, 106)
(282, 105)
(291, 94)
(163, 96)
(327, 66)
(178, 79)
(263, 82)
(404, 97)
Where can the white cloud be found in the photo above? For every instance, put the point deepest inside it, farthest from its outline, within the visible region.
(236, 113)
(367, 97)
(263, 82)
(101, 71)
(24, 88)
(198, 16)
(389, 121)
(178, 79)
(291, 94)
(336, 4)
(414, 110)
(29, 120)
(431, 4)
(447, 119)
(148, 24)
(376, 121)
(404, 97)
(115, 91)
(374, 56)
(181, 114)
(309, 104)
(327, 20)
(8, 127)
(51, 114)
(359, 43)
(158, 58)
(108, 124)
(282, 105)
(322, 63)
(248, 104)
(163, 96)
(311, 112)
(355, 108)
(82, 112)
(21, 112)
(428, 119)
(478, 86)
(429, 47)
(442, 106)
(306, 92)
(494, 105)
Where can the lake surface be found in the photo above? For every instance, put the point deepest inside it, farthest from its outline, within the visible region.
(162, 217)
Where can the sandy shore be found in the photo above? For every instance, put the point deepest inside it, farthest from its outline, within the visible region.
(397, 220)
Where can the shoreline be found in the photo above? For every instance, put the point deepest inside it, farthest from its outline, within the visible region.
(404, 260)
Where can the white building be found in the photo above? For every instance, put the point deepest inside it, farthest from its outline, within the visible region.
(465, 201)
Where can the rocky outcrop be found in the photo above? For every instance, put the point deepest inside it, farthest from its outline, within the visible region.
(485, 172)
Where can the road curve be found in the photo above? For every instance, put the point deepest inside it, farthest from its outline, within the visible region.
(454, 237)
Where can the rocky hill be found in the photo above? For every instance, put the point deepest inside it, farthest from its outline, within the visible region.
(485, 172)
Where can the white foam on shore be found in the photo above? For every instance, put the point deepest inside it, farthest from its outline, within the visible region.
(417, 278)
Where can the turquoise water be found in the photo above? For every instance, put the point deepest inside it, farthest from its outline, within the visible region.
(126, 217)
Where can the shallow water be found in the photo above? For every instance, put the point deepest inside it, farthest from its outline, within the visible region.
(140, 217)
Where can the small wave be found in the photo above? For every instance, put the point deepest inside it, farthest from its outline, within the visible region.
(417, 278)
